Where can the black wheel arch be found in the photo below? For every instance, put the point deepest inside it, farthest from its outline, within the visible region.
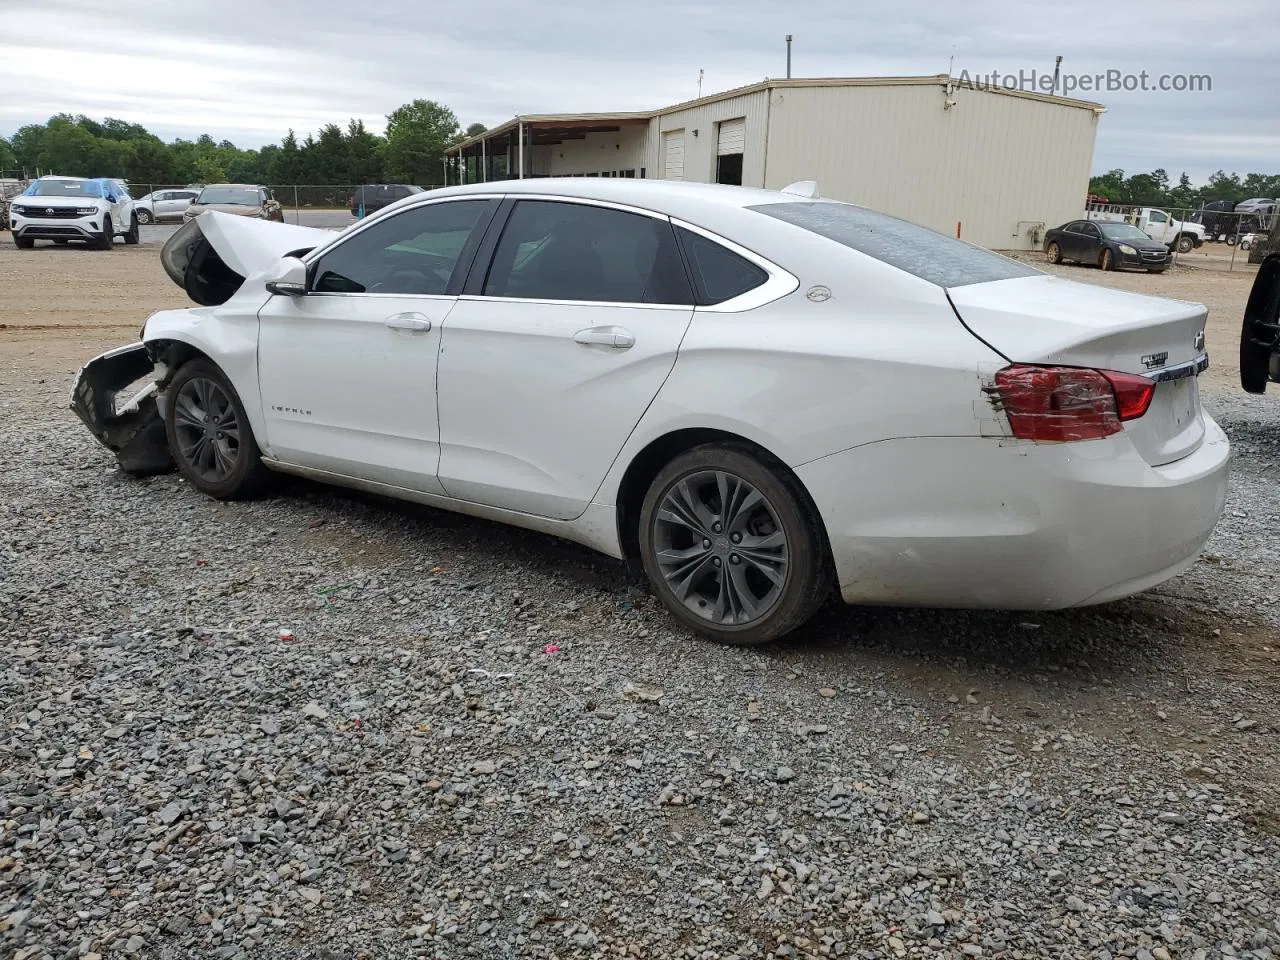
(646, 465)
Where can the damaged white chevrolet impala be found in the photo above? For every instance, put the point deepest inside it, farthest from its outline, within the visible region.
(758, 397)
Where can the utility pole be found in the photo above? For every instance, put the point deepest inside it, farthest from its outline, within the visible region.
(1057, 69)
(788, 56)
(699, 82)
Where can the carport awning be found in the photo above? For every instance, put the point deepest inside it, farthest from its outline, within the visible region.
(543, 131)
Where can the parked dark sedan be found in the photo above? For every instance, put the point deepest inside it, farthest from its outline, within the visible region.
(1109, 245)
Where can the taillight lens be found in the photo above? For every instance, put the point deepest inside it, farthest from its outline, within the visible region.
(1070, 403)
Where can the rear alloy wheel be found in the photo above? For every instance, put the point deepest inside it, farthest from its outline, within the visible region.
(209, 434)
(1053, 253)
(732, 546)
(107, 239)
(131, 237)
(1108, 262)
(144, 216)
(1185, 244)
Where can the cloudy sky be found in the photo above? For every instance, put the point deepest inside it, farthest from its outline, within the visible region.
(247, 70)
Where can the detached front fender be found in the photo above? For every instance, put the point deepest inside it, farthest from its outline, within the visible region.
(133, 431)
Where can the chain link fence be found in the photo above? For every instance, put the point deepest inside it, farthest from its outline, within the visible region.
(166, 202)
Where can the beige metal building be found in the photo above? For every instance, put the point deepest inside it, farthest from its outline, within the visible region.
(999, 166)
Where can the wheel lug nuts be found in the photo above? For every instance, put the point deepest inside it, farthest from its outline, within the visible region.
(715, 562)
(736, 538)
(706, 544)
(716, 527)
(734, 558)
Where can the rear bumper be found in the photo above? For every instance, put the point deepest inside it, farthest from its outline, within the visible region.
(976, 522)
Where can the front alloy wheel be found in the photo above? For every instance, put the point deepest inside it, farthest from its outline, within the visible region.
(207, 429)
(732, 545)
(209, 434)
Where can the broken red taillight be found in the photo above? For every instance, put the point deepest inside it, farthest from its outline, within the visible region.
(1070, 403)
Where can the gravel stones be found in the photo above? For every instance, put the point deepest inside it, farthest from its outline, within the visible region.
(410, 775)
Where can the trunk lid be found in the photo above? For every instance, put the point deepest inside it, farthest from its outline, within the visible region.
(1052, 321)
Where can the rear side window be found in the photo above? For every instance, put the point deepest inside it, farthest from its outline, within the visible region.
(568, 251)
(718, 273)
(914, 249)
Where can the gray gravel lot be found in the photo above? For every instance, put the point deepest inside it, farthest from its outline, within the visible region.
(325, 725)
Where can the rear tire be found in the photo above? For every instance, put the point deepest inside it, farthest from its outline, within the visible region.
(144, 216)
(106, 239)
(1185, 244)
(733, 546)
(131, 237)
(1053, 253)
(209, 434)
(1108, 262)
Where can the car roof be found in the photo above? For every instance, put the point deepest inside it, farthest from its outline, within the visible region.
(247, 186)
(628, 190)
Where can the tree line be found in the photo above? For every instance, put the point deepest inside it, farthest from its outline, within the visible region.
(1155, 188)
(409, 152)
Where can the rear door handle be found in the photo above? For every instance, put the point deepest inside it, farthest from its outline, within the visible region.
(617, 337)
(408, 321)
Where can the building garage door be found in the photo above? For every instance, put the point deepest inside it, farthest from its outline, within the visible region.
(673, 162)
(733, 135)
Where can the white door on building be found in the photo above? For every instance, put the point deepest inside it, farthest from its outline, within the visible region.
(673, 155)
(733, 136)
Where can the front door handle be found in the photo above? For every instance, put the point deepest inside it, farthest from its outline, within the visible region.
(617, 337)
(408, 321)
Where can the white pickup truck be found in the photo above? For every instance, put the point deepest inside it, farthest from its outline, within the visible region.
(1156, 224)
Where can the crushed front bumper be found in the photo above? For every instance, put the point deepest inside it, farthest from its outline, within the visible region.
(133, 431)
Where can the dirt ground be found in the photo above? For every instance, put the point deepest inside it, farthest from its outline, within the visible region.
(59, 306)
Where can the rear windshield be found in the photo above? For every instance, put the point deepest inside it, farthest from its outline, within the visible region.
(921, 252)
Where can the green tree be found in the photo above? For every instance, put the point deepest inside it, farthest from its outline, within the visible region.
(209, 170)
(27, 143)
(1109, 185)
(286, 164)
(475, 129)
(8, 159)
(417, 134)
(364, 157)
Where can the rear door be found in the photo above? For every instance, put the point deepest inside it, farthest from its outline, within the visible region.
(1090, 242)
(555, 351)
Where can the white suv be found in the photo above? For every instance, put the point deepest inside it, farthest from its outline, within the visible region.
(62, 209)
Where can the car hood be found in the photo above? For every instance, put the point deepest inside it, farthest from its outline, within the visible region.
(211, 255)
(235, 209)
(58, 203)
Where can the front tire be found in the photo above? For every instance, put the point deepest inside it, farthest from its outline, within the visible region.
(1053, 253)
(209, 434)
(1108, 261)
(131, 237)
(144, 216)
(1185, 244)
(23, 243)
(107, 239)
(732, 545)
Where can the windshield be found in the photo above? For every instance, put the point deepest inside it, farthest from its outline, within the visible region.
(245, 196)
(919, 251)
(1122, 231)
(64, 188)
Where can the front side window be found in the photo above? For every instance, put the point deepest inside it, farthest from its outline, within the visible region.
(919, 251)
(719, 274)
(1090, 231)
(1158, 217)
(566, 251)
(414, 252)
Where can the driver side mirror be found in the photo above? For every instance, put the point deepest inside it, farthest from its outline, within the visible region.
(288, 278)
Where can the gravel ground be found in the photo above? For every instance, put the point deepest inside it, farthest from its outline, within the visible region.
(325, 725)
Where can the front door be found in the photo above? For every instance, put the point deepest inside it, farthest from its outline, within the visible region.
(550, 359)
(347, 371)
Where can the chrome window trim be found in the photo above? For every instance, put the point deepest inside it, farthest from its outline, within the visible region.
(779, 283)
(621, 304)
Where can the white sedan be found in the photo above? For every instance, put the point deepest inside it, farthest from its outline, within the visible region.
(759, 397)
